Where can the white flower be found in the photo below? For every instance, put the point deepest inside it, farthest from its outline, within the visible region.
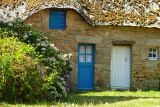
(61, 56)
(38, 40)
(43, 49)
(65, 55)
(43, 44)
(52, 46)
(25, 37)
(45, 38)
(51, 59)
(10, 24)
(38, 44)
(15, 34)
(56, 48)
(30, 33)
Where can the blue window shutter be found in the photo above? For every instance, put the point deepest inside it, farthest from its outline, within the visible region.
(57, 20)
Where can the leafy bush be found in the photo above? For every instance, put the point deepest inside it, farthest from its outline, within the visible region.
(52, 57)
(19, 71)
(31, 67)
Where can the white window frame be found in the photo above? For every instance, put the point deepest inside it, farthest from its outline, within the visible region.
(152, 52)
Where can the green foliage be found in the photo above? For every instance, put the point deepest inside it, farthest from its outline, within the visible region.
(54, 86)
(31, 67)
(52, 57)
(19, 72)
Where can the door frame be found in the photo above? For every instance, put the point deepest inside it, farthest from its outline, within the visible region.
(93, 56)
(130, 78)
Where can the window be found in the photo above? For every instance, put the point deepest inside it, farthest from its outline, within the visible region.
(153, 53)
(57, 20)
(85, 53)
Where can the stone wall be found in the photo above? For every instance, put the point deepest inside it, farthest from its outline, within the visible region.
(144, 73)
(144, 13)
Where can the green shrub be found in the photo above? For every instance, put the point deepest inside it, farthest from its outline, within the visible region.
(52, 57)
(31, 67)
(20, 77)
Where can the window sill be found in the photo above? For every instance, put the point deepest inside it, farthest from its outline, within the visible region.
(151, 59)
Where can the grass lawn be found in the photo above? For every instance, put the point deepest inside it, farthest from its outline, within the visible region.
(101, 99)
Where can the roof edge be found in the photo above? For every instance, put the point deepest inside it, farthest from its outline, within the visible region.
(125, 14)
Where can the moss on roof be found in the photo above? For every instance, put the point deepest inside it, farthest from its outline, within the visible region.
(145, 13)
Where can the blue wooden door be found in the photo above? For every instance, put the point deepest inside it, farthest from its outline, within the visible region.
(86, 66)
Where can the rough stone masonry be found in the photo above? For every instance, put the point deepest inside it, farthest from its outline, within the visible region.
(144, 73)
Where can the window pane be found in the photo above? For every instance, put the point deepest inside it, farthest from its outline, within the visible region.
(154, 49)
(82, 49)
(88, 58)
(89, 50)
(150, 54)
(154, 55)
(82, 58)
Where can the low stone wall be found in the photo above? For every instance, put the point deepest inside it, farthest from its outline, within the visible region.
(144, 73)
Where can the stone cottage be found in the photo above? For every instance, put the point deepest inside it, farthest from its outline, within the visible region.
(115, 43)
